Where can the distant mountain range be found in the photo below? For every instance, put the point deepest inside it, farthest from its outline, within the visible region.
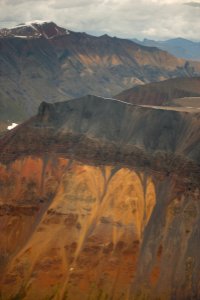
(40, 61)
(179, 47)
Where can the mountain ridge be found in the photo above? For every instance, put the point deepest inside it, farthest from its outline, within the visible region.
(162, 93)
(71, 65)
(82, 117)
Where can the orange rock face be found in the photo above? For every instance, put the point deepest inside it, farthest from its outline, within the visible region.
(27, 188)
(77, 231)
(73, 231)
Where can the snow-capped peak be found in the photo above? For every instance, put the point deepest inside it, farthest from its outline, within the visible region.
(29, 23)
(35, 29)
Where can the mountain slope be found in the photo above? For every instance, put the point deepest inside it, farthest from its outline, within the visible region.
(162, 93)
(179, 47)
(44, 62)
(100, 200)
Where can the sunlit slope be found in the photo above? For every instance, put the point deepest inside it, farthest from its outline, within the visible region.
(162, 93)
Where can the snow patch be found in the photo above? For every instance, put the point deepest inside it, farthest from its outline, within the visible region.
(39, 22)
(116, 100)
(30, 24)
(156, 107)
(66, 31)
(21, 36)
(10, 127)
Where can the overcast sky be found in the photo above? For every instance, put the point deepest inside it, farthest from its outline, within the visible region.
(154, 19)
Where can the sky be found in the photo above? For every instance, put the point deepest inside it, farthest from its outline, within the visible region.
(152, 19)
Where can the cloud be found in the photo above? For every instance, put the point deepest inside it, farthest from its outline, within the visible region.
(63, 4)
(193, 4)
(157, 19)
(16, 2)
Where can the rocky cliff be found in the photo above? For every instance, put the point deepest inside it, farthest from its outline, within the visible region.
(99, 200)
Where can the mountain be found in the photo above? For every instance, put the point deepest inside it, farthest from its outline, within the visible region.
(40, 61)
(178, 46)
(100, 200)
(35, 29)
(162, 93)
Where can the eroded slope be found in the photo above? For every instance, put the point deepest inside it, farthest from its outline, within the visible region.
(100, 200)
